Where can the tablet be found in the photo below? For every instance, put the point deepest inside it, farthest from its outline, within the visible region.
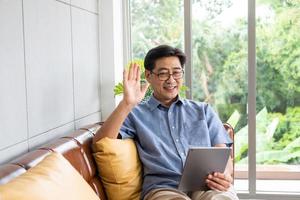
(200, 162)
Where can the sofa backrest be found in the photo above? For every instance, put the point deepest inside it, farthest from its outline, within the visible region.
(76, 148)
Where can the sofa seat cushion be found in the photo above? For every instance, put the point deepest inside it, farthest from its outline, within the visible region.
(119, 168)
(53, 178)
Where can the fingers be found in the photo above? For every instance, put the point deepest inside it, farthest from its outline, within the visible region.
(130, 72)
(224, 177)
(134, 72)
(138, 73)
(215, 186)
(219, 181)
(133, 75)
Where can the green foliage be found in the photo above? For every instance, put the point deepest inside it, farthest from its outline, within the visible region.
(118, 89)
(288, 129)
(274, 157)
(219, 62)
(278, 61)
(264, 134)
(156, 22)
(272, 145)
(234, 118)
(220, 59)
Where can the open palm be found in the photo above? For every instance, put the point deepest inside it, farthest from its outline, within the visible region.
(133, 91)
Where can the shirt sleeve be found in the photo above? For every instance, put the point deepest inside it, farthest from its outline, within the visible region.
(217, 132)
(127, 129)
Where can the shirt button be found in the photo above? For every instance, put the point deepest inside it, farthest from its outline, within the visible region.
(182, 153)
(173, 127)
(177, 140)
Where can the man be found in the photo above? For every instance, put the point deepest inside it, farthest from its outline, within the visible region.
(165, 126)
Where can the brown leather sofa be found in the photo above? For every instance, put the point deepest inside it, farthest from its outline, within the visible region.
(76, 148)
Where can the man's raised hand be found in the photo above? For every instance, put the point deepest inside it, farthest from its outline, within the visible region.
(134, 92)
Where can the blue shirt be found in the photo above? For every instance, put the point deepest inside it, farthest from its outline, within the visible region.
(163, 136)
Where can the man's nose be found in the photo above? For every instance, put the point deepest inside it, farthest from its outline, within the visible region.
(170, 79)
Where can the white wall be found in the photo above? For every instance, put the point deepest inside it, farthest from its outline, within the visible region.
(49, 71)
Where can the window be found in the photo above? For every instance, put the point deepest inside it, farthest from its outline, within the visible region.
(155, 22)
(223, 46)
(278, 95)
(219, 68)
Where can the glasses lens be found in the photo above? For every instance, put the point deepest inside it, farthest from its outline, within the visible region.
(163, 76)
(177, 75)
(166, 76)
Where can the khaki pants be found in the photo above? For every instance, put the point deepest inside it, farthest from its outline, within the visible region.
(173, 194)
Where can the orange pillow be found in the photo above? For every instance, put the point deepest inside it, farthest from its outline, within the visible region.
(119, 168)
(54, 178)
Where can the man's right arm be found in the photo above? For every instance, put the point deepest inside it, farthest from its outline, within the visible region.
(114, 122)
(133, 94)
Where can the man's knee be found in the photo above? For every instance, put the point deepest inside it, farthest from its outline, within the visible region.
(166, 194)
(215, 195)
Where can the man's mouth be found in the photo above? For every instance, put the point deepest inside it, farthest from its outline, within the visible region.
(170, 87)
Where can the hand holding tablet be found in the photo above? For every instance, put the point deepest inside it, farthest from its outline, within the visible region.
(200, 162)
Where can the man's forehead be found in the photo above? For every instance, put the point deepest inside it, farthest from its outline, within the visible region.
(168, 62)
(165, 68)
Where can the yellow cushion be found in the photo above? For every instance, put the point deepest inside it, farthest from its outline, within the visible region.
(54, 178)
(119, 168)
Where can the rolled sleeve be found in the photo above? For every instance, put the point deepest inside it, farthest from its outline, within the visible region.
(216, 129)
(127, 129)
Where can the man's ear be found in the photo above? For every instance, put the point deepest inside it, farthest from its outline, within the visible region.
(147, 75)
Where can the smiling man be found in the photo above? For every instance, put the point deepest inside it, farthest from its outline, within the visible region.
(166, 126)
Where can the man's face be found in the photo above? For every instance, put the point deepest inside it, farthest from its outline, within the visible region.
(166, 87)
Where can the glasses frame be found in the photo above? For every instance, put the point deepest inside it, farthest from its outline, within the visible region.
(163, 79)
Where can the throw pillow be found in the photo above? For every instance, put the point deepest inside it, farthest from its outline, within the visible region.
(53, 178)
(119, 168)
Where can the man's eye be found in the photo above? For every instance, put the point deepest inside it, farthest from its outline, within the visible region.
(163, 74)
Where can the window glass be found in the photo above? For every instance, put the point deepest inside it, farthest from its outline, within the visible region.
(219, 43)
(278, 95)
(155, 22)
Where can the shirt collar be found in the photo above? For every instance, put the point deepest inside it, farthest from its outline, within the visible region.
(154, 103)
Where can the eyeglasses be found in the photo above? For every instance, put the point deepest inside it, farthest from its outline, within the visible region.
(163, 76)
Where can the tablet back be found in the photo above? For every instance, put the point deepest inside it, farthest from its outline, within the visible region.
(200, 162)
